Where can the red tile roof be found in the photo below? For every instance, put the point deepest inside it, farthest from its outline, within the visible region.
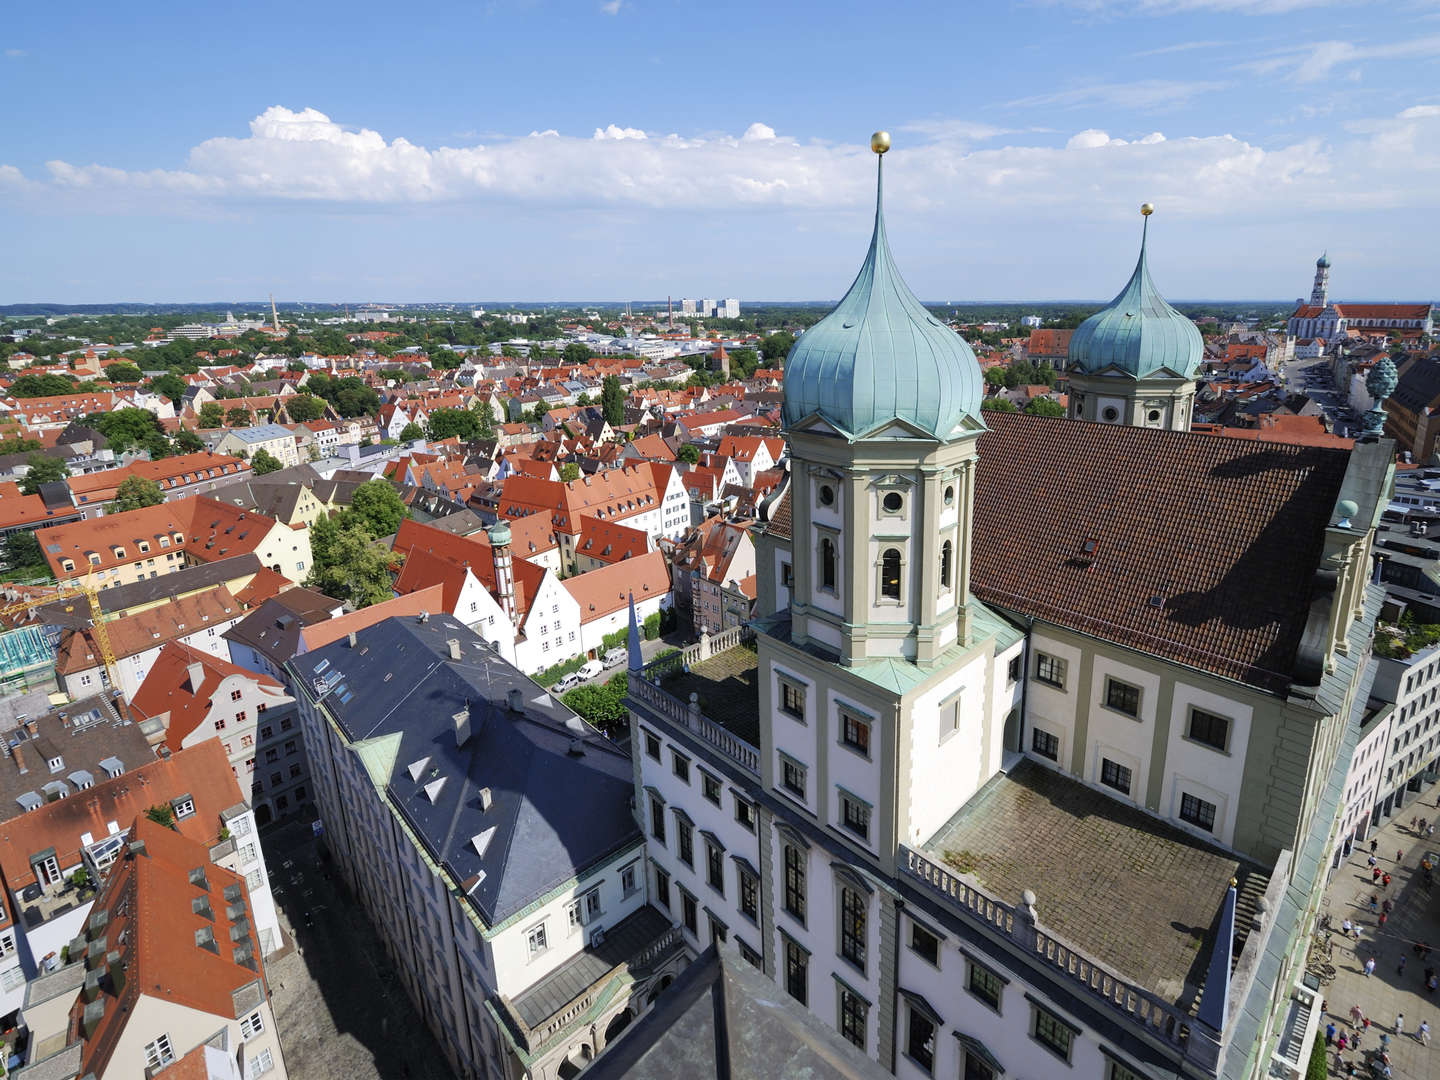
(607, 589)
(318, 635)
(167, 689)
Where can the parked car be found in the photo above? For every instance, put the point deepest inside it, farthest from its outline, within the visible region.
(569, 682)
(615, 657)
(590, 669)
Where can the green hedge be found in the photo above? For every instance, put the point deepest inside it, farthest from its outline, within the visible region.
(1318, 1069)
(551, 675)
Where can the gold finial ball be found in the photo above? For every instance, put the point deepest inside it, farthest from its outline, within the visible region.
(1233, 881)
(880, 142)
(1147, 209)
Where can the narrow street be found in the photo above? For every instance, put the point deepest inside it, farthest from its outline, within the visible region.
(1389, 991)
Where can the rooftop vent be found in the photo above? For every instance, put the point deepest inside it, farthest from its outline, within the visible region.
(480, 841)
(453, 644)
(417, 768)
(433, 789)
(462, 723)
(486, 798)
(515, 699)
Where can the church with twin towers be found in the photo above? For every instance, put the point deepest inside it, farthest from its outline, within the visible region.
(1030, 764)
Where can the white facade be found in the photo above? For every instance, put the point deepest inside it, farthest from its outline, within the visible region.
(131, 670)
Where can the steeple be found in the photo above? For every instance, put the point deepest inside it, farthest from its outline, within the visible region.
(880, 356)
(1320, 294)
(1136, 359)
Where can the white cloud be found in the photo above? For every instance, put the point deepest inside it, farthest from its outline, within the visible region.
(1319, 60)
(1144, 94)
(304, 157)
(611, 7)
(15, 53)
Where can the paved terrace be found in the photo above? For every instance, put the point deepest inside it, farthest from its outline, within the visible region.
(1139, 896)
(725, 686)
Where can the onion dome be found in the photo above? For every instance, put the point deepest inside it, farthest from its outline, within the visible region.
(1324, 261)
(880, 356)
(1138, 334)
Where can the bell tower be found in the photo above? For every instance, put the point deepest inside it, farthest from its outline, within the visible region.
(882, 404)
(1320, 294)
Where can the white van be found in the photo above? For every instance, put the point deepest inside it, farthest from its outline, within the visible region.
(590, 669)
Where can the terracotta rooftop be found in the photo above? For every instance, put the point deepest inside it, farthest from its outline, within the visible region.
(131, 635)
(169, 687)
(608, 588)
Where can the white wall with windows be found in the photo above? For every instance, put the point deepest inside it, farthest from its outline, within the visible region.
(948, 725)
(1205, 760)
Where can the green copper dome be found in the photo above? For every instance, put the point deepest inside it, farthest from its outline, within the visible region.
(1139, 334)
(1323, 261)
(880, 356)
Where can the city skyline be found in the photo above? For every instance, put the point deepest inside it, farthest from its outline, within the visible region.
(576, 150)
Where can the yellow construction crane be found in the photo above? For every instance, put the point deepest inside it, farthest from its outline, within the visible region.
(69, 591)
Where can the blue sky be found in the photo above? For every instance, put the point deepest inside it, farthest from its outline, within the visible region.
(633, 149)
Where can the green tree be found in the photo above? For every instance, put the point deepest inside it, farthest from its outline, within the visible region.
(447, 422)
(123, 373)
(576, 353)
(19, 445)
(304, 407)
(999, 405)
(42, 470)
(212, 414)
(601, 707)
(688, 454)
(743, 363)
(124, 428)
(485, 419)
(23, 557)
(445, 360)
(1044, 406)
(995, 377)
(187, 442)
(237, 417)
(347, 563)
(162, 814)
(777, 346)
(295, 366)
(411, 431)
(612, 400)
(378, 507)
(171, 386)
(264, 462)
(135, 492)
(42, 386)
(569, 471)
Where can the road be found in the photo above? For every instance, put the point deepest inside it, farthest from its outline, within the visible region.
(648, 650)
(1313, 378)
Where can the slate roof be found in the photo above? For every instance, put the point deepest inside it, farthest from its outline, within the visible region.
(273, 629)
(1227, 534)
(540, 764)
(84, 733)
(723, 1019)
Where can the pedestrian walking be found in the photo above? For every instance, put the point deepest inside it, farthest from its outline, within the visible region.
(1355, 1014)
(1430, 831)
(1399, 1024)
(1424, 1033)
(1387, 907)
(1399, 855)
(1376, 843)
(1375, 874)
(1329, 1033)
(1382, 919)
(1422, 824)
(1385, 880)
(1403, 958)
(1414, 822)
(1369, 967)
(1364, 1025)
(1372, 861)
(1384, 1042)
(1374, 903)
(1345, 927)
(1343, 1042)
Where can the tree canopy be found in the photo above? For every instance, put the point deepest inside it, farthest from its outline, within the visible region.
(776, 346)
(379, 507)
(1044, 406)
(612, 400)
(169, 385)
(134, 493)
(689, 454)
(127, 427)
(569, 471)
(265, 462)
(42, 470)
(575, 353)
(304, 407)
(123, 372)
(212, 414)
(445, 423)
(42, 386)
(347, 562)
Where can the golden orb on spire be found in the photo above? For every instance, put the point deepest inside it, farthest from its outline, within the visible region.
(1146, 209)
(880, 142)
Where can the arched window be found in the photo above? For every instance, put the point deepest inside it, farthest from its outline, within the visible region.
(945, 550)
(827, 563)
(890, 573)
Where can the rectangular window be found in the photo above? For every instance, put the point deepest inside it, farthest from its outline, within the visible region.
(920, 1040)
(627, 881)
(652, 745)
(535, 939)
(657, 819)
(688, 913)
(853, 920)
(251, 1025)
(662, 888)
(1197, 812)
(680, 766)
(1208, 728)
(792, 776)
(1053, 1033)
(855, 816)
(797, 972)
(685, 847)
(853, 1011)
(855, 732)
(1122, 697)
(159, 1052)
(745, 814)
(710, 786)
(1115, 1071)
(1050, 670)
(592, 905)
(261, 1063)
(715, 867)
(795, 881)
(1016, 666)
(749, 896)
(1045, 744)
(924, 944)
(985, 985)
(1113, 774)
(792, 699)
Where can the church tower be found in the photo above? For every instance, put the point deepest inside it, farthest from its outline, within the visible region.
(1135, 361)
(882, 405)
(1320, 294)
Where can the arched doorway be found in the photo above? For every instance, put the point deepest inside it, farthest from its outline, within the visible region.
(619, 1024)
(574, 1061)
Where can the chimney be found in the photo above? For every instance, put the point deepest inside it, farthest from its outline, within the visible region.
(352, 639)
(462, 726)
(453, 644)
(515, 700)
(32, 727)
(195, 672)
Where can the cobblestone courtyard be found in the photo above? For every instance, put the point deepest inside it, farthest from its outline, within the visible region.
(1388, 992)
(341, 1012)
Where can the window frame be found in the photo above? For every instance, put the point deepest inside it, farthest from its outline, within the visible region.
(864, 811)
(1112, 685)
(789, 765)
(1107, 765)
(863, 726)
(853, 1020)
(789, 687)
(795, 865)
(796, 969)
(1044, 1024)
(1037, 735)
(918, 928)
(986, 975)
(854, 928)
(1195, 711)
(927, 1062)
(1053, 664)
(1194, 818)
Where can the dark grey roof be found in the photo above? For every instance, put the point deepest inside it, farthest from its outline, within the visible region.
(122, 597)
(273, 629)
(460, 523)
(560, 791)
(721, 1018)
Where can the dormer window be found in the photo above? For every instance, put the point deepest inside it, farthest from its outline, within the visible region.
(56, 764)
(67, 565)
(144, 547)
(164, 541)
(94, 558)
(184, 806)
